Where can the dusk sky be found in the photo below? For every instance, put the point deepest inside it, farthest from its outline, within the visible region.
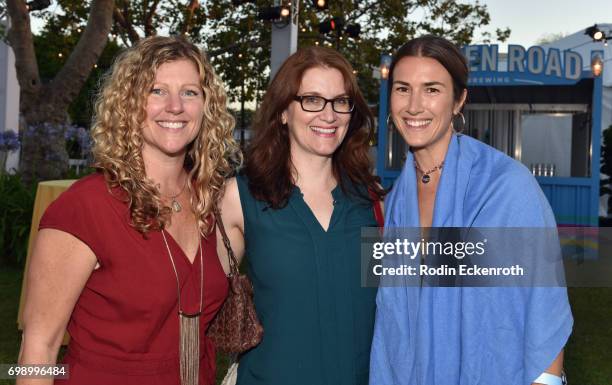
(530, 20)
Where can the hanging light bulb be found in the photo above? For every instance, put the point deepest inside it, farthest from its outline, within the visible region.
(597, 66)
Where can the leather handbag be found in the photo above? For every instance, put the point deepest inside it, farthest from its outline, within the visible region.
(236, 328)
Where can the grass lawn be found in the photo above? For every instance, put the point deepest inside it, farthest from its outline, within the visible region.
(10, 286)
(588, 357)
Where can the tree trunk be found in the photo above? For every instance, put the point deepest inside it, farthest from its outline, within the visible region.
(44, 107)
(43, 152)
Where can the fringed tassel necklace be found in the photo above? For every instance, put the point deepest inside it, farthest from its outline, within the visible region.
(189, 328)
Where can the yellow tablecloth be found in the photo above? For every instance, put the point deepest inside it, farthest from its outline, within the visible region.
(46, 193)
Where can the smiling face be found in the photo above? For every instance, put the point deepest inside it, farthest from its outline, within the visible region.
(174, 110)
(423, 104)
(317, 133)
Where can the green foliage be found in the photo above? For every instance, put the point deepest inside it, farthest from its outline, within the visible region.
(81, 109)
(73, 174)
(238, 43)
(15, 216)
(606, 167)
(53, 45)
(10, 285)
(550, 37)
(587, 353)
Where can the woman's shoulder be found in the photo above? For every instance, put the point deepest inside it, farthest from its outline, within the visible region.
(499, 182)
(240, 183)
(91, 183)
(492, 163)
(84, 202)
(88, 191)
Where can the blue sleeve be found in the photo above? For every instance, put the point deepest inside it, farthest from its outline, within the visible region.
(547, 319)
(389, 359)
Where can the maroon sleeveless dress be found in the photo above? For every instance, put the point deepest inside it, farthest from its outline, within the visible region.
(124, 328)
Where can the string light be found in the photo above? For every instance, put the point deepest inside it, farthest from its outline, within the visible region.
(60, 55)
(597, 66)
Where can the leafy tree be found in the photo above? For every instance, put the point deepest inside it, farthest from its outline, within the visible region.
(43, 152)
(52, 48)
(550, 38)
(240, 43)
(386, 25)
(237, 42)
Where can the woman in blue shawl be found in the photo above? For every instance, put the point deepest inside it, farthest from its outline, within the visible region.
(460, 335)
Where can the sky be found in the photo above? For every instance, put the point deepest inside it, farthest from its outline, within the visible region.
(530, 20)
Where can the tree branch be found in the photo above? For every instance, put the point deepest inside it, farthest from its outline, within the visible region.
(362, 12)
(122, 18)
(68, 82)
(193, 5)
(148, 21)
(231, 47)
(20, 38)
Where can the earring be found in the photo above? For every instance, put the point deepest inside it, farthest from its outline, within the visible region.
(390, 124)
(460, 114)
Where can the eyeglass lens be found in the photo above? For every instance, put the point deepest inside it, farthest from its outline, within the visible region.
(317, 103)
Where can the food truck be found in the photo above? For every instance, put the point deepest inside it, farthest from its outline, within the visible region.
(544, 106)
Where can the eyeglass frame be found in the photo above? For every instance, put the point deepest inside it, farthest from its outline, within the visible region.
(300, 98)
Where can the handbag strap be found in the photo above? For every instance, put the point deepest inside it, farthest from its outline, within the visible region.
(230, 253)
(378, 213)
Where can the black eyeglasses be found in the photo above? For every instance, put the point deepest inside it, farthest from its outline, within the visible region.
(314, 103)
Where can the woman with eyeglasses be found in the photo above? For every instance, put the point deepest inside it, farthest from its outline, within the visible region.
(297, 213)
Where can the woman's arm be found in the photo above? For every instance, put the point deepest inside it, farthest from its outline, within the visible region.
(60, 265)
(233, 221)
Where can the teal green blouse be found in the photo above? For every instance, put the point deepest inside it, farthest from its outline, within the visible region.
(318, 320)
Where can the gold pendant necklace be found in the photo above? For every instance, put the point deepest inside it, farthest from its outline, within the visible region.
(189, 327)
(174, 204)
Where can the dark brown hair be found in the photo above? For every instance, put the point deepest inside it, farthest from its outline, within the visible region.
(441, 50)
(268, 160)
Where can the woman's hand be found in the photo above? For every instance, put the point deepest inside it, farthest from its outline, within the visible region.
(60, 265)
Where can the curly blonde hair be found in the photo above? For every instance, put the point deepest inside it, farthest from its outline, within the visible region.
(117, 133)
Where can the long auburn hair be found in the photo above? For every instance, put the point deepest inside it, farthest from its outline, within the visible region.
(268, 161)
(117, 133)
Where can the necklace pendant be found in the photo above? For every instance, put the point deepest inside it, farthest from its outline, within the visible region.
(189, 348)
(425, 178)
(176, 206)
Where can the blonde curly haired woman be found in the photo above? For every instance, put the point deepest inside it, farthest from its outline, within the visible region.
(126, 258)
